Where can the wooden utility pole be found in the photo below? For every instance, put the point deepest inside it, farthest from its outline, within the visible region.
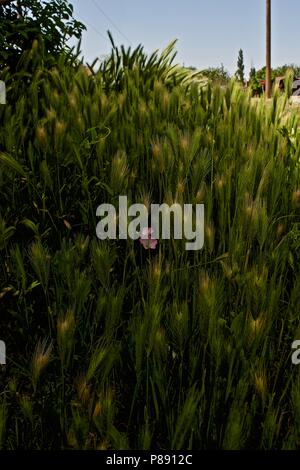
(268, 50)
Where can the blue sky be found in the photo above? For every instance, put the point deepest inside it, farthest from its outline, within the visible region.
(209, 32)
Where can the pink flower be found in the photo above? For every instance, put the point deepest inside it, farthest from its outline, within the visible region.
(146, 239)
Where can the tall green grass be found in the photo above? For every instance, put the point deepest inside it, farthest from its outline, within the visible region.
(110, 346)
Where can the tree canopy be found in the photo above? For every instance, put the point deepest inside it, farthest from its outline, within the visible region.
(240, 73)
(23, 21)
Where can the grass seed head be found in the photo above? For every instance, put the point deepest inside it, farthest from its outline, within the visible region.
(184, 143)
(83, 389)
(40, 360)
(260, 382)
(296, 198)
(66, 324)
(41, 135)
(98, 410)
(200, 196)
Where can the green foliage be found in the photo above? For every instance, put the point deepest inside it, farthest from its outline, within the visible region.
(217, 75)
(126, 67)
(240, 73)
(279, 72)
(110, 346)
(255, 85)
(252, 73)
(289, 72)
(24, 21)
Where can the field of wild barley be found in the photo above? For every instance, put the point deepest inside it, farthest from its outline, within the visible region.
(110, 345)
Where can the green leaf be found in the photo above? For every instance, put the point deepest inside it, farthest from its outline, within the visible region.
(11, 163)
(31, 225)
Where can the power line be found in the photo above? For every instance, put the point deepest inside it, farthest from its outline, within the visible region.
(93, 27)
(111, 21)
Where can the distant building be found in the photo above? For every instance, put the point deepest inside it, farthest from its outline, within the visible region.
(296, 87)
(280, 82)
